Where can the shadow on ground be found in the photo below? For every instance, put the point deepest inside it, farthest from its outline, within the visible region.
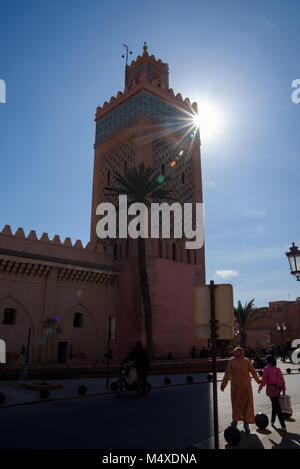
(247, 441)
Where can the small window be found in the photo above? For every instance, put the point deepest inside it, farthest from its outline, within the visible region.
(163, 169)
(78, 320)
(188, 256)
(174, 255)
(182, 177)
(108, 178)
(115, 251)
(9, 316)
(195, 258)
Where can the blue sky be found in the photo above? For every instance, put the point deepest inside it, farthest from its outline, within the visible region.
(60, 59)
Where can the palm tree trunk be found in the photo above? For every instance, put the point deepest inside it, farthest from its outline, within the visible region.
(243, 339)
(145, 294)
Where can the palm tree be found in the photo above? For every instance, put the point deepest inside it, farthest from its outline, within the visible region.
(244, 316)
(142, 185)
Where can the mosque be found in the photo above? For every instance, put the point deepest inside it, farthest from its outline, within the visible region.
(62, 302)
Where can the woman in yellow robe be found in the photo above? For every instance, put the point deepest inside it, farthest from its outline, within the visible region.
(238, 371)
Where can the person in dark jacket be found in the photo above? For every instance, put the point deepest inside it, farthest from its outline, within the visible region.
(141, 362)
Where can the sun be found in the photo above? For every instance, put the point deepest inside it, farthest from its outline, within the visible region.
(210, 119)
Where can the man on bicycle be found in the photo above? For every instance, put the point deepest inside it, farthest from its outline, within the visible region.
(141, 362)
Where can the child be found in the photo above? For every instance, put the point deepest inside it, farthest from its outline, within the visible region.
(272, 376)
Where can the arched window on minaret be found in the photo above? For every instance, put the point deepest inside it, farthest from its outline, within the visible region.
(163, 169)
(174, 253)
(182, 177)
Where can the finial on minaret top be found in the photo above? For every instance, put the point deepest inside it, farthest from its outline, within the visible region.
(145, 47)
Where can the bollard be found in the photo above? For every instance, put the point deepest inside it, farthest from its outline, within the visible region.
(44, 394)
(82, 389)
(232, 435)
(261, 420)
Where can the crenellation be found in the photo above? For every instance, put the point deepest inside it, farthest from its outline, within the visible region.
(7, 230)
(68, 242)
(32, 236)
(56, 240)
(44, 238)
(78, 244)
(19, 233)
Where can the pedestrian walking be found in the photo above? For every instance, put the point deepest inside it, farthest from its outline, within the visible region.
(193, 351)
(238, 371)
(274, 381)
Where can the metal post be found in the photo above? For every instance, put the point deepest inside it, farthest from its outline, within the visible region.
(126, 64)
(213, 323)
(108, 355)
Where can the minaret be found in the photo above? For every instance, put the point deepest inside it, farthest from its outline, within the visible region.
(148, 123)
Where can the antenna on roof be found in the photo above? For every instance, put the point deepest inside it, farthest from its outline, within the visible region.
(126, 64)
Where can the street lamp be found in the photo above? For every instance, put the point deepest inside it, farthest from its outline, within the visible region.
(281, 327)
(294, 259)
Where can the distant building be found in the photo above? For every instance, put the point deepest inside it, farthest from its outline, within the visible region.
(264, 331)
(60, 295)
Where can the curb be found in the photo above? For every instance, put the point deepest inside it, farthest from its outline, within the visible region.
(104, 393)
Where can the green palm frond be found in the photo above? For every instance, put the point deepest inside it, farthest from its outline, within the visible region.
(140, 185)
(247, 314)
